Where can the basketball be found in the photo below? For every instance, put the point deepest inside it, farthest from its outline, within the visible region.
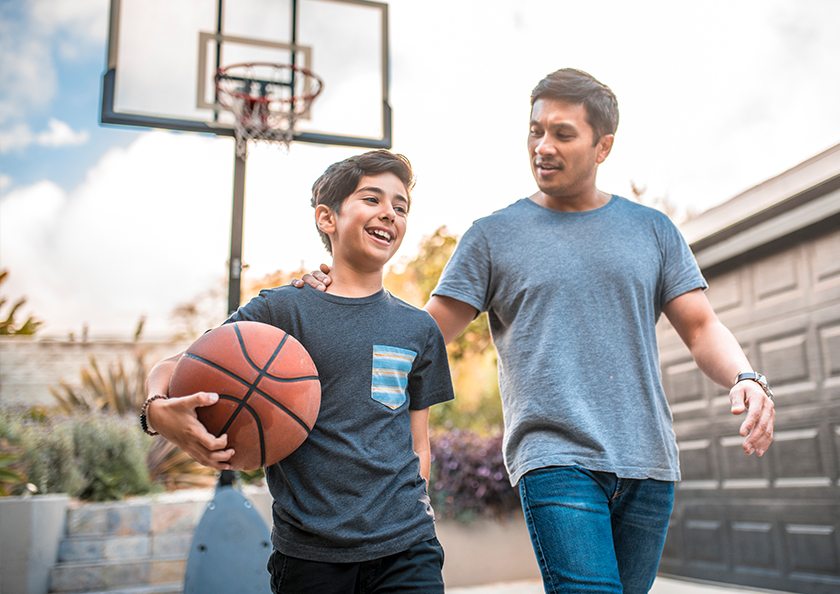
(269, 393)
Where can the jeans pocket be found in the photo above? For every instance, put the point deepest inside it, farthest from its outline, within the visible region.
(391, 366)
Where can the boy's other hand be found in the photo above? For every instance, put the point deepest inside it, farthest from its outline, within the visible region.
(317, 279)
(176, 420)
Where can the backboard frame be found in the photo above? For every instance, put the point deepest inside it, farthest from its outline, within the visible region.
(109, 115)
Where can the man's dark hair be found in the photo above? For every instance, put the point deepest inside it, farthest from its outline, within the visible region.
(576, 86)
(341, 179)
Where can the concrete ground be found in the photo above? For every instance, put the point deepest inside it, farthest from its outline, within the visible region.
(662, 585)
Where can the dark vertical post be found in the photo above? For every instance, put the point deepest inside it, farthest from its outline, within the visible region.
(235, 262)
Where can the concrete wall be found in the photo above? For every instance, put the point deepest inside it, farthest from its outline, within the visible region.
(30, 531)
(29, 366)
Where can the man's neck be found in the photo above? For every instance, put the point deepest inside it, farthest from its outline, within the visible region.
(589, 200)
(348, 281)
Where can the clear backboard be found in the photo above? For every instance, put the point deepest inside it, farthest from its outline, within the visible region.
(163, 57)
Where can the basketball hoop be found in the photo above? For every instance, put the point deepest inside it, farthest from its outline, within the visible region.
(266, 100)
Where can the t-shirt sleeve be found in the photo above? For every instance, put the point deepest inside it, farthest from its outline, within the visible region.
(429, 382)
(256, 310)
(468, 274)
(681, 273)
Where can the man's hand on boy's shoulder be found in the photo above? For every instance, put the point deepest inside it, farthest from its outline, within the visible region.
(176, 420)
(318, 279)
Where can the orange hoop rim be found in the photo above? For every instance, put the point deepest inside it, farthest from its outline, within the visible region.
(243, 96)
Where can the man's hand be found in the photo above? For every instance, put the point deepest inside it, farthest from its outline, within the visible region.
(757, 428)
(176, 420)
(317, 280)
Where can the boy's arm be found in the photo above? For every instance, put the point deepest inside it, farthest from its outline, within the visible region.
(176, 420)
(719, 356)
(420, 435)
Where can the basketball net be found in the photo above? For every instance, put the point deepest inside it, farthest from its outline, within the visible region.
(266, 100)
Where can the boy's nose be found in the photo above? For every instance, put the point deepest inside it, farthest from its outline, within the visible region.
(389, 213)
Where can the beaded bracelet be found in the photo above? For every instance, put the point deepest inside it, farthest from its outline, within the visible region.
(143, 422)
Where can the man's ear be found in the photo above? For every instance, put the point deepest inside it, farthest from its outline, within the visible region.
(325, 219)
(605, 145)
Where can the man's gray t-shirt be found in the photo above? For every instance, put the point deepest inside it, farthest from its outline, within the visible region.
(573, 299)
(353, 491)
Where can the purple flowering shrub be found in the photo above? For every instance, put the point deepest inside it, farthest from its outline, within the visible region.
(468, 478)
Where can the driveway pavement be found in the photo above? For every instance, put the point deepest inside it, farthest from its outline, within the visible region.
(662, 585)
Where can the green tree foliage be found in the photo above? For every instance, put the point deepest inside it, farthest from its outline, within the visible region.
(8, 326)
(472, 358)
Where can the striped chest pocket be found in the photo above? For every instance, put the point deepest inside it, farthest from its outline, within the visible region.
(391, 366)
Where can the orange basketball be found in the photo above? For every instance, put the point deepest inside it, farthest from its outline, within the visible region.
(268, 388)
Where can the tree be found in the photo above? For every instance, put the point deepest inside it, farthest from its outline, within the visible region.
(472, 358)
(663, 204)
(8, 326)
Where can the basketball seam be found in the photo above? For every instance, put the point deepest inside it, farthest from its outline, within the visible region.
(253, 388)
(240, 405)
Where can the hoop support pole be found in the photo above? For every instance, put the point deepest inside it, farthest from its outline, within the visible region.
(236, 224)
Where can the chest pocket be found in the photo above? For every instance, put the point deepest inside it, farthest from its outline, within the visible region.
(391, 366)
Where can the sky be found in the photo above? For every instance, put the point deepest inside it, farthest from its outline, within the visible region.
(102, 225)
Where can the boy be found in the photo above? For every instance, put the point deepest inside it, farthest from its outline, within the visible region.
(351, 508)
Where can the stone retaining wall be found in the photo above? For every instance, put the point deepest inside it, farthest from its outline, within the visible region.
(30, 366)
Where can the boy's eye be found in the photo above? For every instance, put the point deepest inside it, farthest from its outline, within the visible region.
(401, 209)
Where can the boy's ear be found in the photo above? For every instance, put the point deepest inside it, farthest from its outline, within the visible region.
(325, 219)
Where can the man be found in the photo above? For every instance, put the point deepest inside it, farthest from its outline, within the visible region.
(574, 280)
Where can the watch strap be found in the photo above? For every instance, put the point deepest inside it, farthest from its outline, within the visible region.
(757, 378)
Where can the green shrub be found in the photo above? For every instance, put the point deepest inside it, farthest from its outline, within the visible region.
(469, 479)
(93, 456)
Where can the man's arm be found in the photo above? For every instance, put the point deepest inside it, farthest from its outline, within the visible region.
(720, 357)
(420, 437)
(176, 420)
(451, 315)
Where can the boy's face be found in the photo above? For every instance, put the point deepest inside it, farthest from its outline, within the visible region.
(372, 222)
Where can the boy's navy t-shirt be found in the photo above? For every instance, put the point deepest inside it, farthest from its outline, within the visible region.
(353, 491)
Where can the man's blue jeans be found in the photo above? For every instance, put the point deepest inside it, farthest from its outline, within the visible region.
(595, 532)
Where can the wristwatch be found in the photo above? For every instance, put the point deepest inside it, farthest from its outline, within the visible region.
(757, 378)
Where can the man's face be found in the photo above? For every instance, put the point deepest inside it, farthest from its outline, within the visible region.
(564, 157)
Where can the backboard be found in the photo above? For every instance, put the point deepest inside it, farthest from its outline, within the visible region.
(163, 56)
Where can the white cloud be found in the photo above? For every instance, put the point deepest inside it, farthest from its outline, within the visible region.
(5, 183)
(84, 21)
(150, 228)
(57, 134)
(32, 33)
(60, 134)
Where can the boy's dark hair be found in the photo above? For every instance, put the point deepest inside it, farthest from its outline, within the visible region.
(341, 179)
(576, 86)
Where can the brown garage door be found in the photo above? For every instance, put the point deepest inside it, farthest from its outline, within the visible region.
(771, 522)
